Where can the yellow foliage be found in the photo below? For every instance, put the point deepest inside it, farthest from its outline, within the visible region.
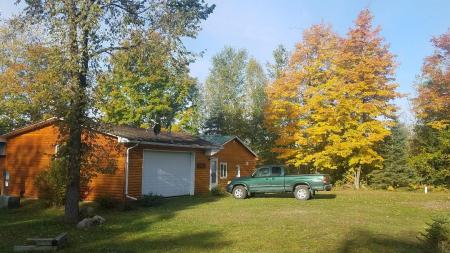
(332, 105)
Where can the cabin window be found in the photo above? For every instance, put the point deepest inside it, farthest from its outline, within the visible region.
(2, 148)
(223, 170)
(238, 171)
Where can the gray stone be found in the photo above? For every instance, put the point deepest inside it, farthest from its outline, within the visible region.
(90, 222)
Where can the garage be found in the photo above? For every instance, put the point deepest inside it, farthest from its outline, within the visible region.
(168, 173)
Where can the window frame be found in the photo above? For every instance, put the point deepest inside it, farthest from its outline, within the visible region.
(238, 170)
(220, 170)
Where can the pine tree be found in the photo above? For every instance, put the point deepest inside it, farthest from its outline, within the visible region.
(395, 171)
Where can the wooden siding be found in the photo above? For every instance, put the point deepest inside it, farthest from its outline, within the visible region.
(29, 153)
(234, 153)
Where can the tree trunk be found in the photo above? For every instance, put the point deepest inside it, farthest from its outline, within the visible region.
(71, 210)
(74, 118)
(357, 178)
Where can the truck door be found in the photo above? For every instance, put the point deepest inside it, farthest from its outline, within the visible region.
(277, 179)
(261, 180)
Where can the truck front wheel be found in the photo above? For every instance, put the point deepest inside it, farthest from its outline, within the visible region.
(302, 192)
(239, 192)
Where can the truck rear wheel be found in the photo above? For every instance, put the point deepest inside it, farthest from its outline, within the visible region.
(302, 192)
(239, 192)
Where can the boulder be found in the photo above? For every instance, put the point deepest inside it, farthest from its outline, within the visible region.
(90, 222)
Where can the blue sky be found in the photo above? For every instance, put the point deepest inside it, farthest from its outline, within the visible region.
(260, 25)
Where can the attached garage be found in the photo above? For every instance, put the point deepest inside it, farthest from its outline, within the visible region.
(168, 173)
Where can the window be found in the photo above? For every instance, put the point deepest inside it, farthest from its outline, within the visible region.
(238, 171)
(223, 170)
(263, 172)
(2, 148)
(276, 171)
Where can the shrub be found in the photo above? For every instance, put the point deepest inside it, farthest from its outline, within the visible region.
(107, 202)
(51, 183)
(436, 236)
(150, 200)
(217, 191)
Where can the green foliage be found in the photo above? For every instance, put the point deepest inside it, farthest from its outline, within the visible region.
(396, 171)
(430, 149)
(147, 84)
(234, 99)
(149, 200)
(436, 237)
(281, 60)
(107, 202)
(51, 184)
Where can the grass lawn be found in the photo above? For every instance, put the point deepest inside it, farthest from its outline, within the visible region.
(338, 221)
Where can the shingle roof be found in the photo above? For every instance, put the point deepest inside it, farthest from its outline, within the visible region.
(134, 134)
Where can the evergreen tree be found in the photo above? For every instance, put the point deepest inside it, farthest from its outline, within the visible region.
(394, 150)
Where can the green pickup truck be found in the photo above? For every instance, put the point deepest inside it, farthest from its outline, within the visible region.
(274, 179)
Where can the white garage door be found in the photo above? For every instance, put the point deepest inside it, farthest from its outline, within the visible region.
(168, 173)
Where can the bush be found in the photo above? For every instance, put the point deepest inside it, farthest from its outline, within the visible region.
(150, 200)
(436, 236)
(51, 183)
(107, 202)
(217, 191)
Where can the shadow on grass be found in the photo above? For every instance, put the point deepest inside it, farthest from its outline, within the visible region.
(33, 220)
(365, 241)
(203, 241)
(290, 195)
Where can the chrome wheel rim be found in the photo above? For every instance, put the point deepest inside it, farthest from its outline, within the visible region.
(238, 193)
(301, 194)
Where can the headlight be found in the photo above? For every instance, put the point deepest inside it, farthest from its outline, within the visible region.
(229, 182)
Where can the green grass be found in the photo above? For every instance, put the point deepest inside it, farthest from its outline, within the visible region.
(338, 221)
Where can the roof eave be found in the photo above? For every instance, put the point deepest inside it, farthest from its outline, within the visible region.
(125, 140)
(29, 127)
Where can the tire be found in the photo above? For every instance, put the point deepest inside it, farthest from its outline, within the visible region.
(302, 192)
(239, 192)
